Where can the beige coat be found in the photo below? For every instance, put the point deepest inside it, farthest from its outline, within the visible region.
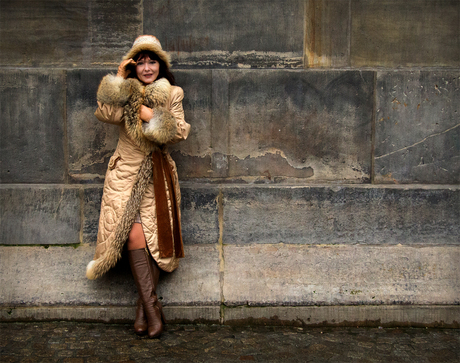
(121, 176)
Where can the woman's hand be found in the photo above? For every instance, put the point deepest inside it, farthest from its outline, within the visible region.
(122, 68)
(145, 113)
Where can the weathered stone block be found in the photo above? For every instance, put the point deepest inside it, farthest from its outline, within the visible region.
(91, 142)
(208, 33)
(58, 278)
(39, 215)
(394, 33)
(417, 127)
(197, 103)
(67, 33)
(300, 125)
(114, 25)
(199, 214)
(341, 275)
(192, 155)
(196, 281)
(327, 33)
(32, 126)
(341, 215)
(92, 198)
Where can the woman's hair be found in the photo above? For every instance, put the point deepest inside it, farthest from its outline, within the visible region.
(164, 70)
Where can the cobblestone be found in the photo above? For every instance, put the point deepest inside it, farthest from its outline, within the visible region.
(71, 342)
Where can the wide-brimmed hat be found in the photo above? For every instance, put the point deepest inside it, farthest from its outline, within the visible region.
(151, 44)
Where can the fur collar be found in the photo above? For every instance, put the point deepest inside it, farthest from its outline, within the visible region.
(131, 94)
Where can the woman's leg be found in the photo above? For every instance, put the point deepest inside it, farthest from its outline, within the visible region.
(146, 274)
(136, 238)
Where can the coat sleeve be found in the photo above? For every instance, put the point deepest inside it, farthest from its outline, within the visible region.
(108, 113)
(176, 109)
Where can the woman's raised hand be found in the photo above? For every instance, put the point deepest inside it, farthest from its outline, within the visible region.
(122, 68)
(145, 113)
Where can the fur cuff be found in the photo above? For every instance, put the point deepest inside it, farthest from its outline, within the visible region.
(161, 128)
(114, 90)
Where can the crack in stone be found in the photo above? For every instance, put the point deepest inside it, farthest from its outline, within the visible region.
(417, 143)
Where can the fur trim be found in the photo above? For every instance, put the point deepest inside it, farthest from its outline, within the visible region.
(115, 90)
(153, 95)
(149, 43)
(97, 268)
(157, 93)
(161, 128)
(90, 275)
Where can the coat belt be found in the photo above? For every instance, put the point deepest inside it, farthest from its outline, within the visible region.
(162, 184)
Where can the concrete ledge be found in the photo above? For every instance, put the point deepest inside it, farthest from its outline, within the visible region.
(108, 314)
(372, 315)
(447, 316)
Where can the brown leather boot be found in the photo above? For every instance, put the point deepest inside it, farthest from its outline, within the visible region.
(146, 274)
(140, 322)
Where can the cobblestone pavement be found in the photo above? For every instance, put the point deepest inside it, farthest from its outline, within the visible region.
(69, 342)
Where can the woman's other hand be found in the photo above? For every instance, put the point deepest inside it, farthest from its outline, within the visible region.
(145, 113)
(122, 68)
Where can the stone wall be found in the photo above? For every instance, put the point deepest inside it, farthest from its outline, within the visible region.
(320, 182)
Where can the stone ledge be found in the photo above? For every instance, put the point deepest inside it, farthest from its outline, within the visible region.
(108, 314)
(445, 316)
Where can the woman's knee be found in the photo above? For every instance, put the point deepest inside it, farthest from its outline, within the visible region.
(136, 238)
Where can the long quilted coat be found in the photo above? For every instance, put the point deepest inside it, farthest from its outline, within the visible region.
(123, 169)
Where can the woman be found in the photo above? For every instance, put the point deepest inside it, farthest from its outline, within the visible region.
(141, 198)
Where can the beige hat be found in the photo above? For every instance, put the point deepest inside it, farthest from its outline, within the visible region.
(151, 44)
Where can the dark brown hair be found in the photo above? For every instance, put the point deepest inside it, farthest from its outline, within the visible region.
(164, 70)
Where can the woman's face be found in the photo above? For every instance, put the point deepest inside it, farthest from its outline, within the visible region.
(147, 70)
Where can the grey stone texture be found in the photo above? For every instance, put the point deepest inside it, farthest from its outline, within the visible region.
(368, 215)
(260, 33)
(69, 33)
(271, 126)
(37, 276)
(393, 33)
(200, 214)
(39, 215)
(282, 274)
(32, 126)
(418, 127)
(92, 198)
(91, 143)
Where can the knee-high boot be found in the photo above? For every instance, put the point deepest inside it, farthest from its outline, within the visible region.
(146, 274)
